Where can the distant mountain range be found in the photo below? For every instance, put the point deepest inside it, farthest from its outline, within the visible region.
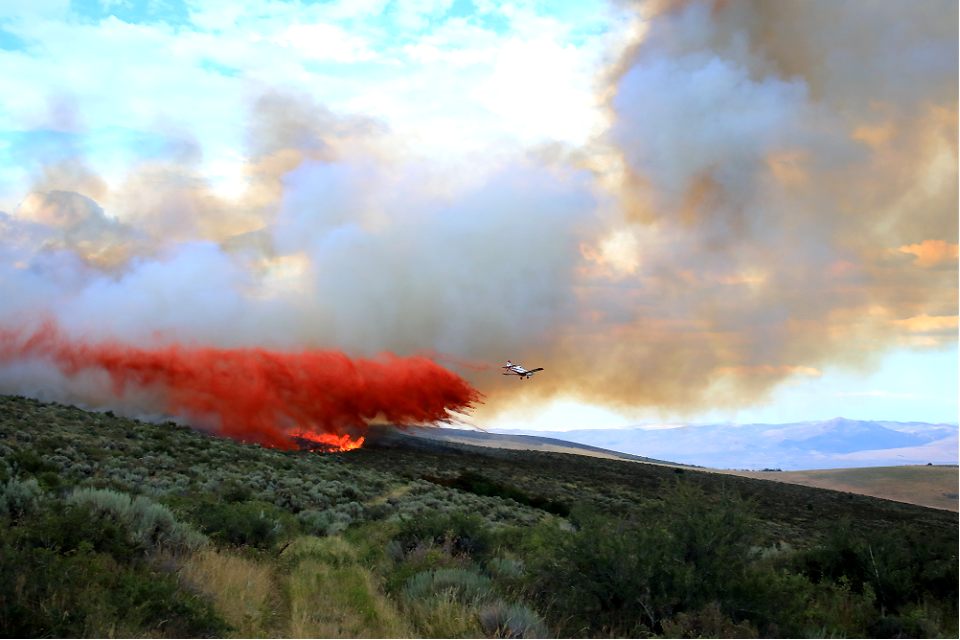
(837, 443)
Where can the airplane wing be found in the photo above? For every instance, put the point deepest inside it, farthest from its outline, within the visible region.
(535, 370)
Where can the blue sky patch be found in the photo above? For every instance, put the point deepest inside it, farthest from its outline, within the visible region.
(220, 69)
(172, 12)
(111, 145)
(11, 42)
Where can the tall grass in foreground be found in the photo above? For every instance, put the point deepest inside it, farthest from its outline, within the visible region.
(458, 603)
(244, 591)
(329, 594)
(73, 569)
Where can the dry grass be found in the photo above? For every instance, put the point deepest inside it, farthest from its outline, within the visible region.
(329, 595)
(394, 492)
(244, 591)
(445, 617)
(325, 594)
(928, 486)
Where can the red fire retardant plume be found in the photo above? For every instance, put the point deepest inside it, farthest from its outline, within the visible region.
(261, 396)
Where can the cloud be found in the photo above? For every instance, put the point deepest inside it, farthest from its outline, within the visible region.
(324, 41)
(933, 253)
(925, 323)
(730, 230)
(356, 251)
(538, 83)
(72, 222)
(768, 370)
(765, 179)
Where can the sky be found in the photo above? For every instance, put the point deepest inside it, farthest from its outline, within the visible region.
(907, 387)
(683, 211)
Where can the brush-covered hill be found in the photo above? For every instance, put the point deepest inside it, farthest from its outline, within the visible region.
(110, 526)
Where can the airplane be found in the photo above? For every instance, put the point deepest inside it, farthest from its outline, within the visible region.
(517, 370)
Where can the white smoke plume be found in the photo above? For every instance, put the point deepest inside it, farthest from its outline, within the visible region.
(776, 195)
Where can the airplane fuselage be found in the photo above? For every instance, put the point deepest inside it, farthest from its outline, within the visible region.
(517, 370)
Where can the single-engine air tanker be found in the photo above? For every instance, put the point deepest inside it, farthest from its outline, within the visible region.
(517, 370)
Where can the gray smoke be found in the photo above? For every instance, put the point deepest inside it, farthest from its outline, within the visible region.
(779, 196)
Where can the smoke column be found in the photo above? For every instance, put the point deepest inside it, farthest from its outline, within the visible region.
(774, 200)
(259, 395)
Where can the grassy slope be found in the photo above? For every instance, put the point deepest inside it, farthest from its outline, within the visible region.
(929, 486)
(261, 566)
(793, 513)
(280, 502)
(526, 443)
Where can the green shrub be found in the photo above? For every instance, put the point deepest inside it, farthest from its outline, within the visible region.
(67, 529)
(707, 622)
(234, 491)
(466, 533)
(324, 523)
(68, 572)
(151, 599)
(420, 559)
(799, 608)
(260, 525)
(505, 568)
(902, 568)
(27, 461)
(49, 444)
(687, 553)
(480, 485)
(459, 584)
(19, 499)
(87, 594)
(149, 524)
(501, 620)
(49, 480)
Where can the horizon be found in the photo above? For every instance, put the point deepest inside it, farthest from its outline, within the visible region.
(838, 443)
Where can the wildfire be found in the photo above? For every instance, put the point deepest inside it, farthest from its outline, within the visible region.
(326, 442)
(281, 399)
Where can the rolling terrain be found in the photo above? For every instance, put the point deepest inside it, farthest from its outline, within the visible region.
(580, 476)
(109, 525)
(928, 486)
(507, 441)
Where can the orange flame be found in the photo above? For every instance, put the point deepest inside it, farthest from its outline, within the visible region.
(327, 442)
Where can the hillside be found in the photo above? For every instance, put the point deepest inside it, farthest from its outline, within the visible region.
(928, 486)
(507, 441)
(113, 526)
(784, 510)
